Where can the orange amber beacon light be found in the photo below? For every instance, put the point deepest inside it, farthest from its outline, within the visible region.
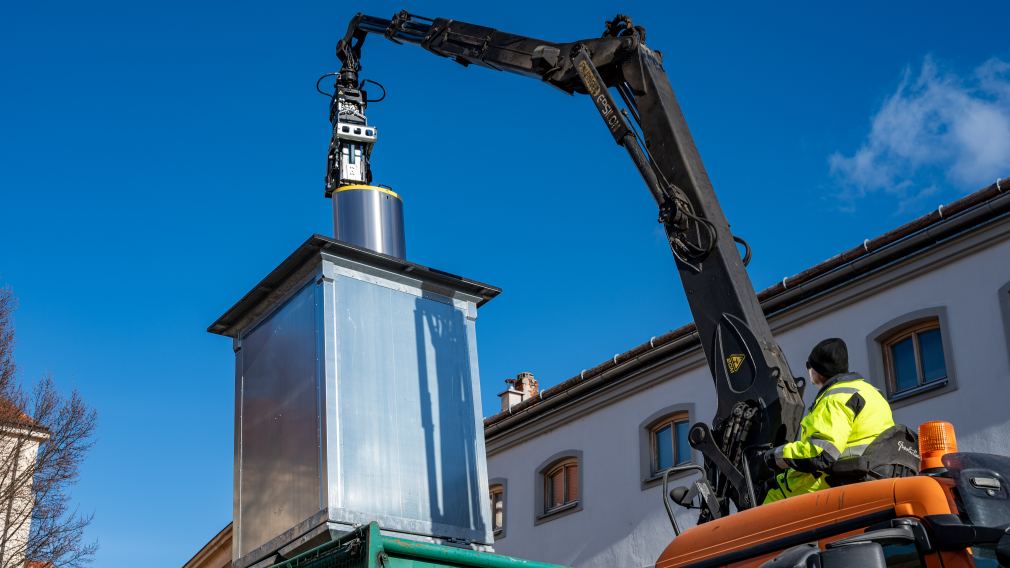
(936, 439)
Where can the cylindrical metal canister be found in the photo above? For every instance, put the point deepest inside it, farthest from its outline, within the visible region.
(370, 217)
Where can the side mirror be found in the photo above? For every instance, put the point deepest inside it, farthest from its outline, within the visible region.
(677, 494)
(680, 496)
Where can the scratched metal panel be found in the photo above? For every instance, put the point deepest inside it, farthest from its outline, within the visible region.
(279, 461)
(385, 374)
(411, 443)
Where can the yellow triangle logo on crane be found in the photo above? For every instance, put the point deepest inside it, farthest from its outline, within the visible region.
(734, 362)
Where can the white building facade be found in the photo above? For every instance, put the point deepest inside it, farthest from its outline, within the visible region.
(925, 311)
(20, 439)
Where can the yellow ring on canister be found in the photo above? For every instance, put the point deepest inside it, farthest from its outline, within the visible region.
(368, 187)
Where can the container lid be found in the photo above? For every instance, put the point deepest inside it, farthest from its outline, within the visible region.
(318, 244)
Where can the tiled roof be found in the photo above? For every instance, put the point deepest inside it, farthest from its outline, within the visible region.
(10, 413)
(985, 204)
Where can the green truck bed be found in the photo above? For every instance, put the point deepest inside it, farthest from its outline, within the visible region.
(367, 548)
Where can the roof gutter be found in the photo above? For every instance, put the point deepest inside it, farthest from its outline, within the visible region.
(985, 206)
(982, 207)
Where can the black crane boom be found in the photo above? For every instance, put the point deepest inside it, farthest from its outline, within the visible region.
(759, 401)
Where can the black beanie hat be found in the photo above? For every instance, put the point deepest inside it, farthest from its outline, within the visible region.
(829, 358)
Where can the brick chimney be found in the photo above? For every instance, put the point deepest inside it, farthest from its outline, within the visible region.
(521, 388)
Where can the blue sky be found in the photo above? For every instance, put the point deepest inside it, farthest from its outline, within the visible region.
(157, 159)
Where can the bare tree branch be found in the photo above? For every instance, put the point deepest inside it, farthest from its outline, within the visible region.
(44, 437)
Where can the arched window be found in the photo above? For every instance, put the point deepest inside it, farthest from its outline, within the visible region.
(559, 486)
(668, 442)
(662, 442)
(911, 355)
(497, 494)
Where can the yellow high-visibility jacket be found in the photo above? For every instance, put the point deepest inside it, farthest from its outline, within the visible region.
(846, 416)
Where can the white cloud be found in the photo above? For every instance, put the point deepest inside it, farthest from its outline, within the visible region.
(937, 129)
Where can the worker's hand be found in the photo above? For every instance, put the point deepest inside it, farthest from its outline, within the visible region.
(763, 470)
(768, 457)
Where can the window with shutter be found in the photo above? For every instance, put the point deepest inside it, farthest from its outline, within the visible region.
(561, 485)
(497, 509)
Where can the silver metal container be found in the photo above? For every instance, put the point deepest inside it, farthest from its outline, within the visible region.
(357, 399)
(371, 217)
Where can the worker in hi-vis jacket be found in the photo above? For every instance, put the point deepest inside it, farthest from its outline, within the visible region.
(846, 416)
